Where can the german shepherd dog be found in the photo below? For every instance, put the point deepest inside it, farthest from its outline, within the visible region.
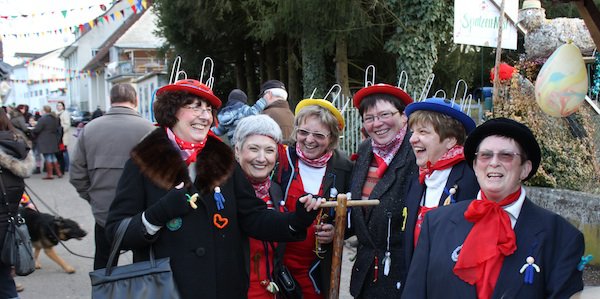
(46, 230)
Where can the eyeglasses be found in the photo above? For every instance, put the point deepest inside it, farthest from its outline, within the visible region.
(381, 116)
(504, 157)
(198, 110)
(316, 135)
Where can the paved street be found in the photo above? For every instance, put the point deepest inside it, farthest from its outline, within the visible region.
(51, 282)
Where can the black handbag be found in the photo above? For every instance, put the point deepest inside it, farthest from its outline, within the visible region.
(288, 286)
(17, 250)
(151, 279)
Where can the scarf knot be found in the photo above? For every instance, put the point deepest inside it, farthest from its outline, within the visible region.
(319, 162)
(452, 157)
(188, 150)
(489, 241)
(385, 153)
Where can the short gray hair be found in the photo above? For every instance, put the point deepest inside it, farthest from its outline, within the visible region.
(256, 125)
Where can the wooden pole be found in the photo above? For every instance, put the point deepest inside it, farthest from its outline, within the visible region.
(341, 216)
(498, 55)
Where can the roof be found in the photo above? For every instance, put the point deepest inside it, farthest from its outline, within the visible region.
(110, 41)
(142, 34)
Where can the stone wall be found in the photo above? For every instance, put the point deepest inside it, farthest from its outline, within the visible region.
(578, 207)
(581, 209)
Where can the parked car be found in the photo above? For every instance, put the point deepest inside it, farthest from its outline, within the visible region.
(80, 117)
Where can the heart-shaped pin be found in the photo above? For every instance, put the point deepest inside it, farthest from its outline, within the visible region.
(220, 221)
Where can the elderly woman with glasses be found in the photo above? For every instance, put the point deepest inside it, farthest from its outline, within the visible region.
(190, 201)
(382, 171)
(500, 245)
(313, 165)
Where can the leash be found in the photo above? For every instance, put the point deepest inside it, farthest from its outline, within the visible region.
(30, 190)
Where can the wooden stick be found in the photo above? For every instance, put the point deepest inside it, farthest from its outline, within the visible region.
(341, 218)
(341, 213)
(351, 203)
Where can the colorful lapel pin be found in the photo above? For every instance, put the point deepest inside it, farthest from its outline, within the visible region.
(529, 268)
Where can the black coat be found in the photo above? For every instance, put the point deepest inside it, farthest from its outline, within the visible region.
(207, 262)
(371, 224)
(16, 163)
(46, 134)
(467, 187)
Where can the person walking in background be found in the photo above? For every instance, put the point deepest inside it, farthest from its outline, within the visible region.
(383, 170)
(278, 108)
(18, 121)
(439, 129)
(99, 157)
(97, 113)
(46, 136)
(17, 163)
(500, 245)
(65, 122)
(235, 109)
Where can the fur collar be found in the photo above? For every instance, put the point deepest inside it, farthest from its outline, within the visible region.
(158, 160)
(21, 168)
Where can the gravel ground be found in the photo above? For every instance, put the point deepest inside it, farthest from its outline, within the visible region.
(591, 275)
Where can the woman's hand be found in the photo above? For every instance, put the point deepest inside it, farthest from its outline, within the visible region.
(310, 203)
(174, 204)
(324, 233)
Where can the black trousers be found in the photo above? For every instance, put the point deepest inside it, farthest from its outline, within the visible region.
(102, 248)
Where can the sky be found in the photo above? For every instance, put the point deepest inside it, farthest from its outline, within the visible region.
(42, 15)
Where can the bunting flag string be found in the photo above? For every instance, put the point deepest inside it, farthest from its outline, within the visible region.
(78, 76)
(138, 7)
(63, 12)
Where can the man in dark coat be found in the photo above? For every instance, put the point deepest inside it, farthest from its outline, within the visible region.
(46, 132)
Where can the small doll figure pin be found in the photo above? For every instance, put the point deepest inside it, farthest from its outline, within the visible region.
(529, 269)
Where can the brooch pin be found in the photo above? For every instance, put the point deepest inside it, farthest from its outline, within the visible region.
(450, 199)
(192, 200)
(220, 221)
(219, 199)
(455, 253)
(584, 261)
(529, 269)
(174, 224)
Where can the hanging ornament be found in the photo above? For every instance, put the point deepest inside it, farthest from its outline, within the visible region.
(562, 83)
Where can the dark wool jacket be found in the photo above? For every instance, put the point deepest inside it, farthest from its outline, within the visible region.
(16, 163)
(207, 262)
(339, 169)
(555, 245)
(371, 224)
(461, 176)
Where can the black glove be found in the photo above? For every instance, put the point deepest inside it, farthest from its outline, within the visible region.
(302, 219)
(174, 204)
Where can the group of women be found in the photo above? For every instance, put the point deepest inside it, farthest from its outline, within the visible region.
(258, 204)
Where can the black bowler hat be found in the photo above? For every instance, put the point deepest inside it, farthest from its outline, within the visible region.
(507, 128)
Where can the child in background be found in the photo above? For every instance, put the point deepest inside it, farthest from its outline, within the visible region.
(236, 109)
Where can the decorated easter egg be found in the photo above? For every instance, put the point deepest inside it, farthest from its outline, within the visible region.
(562, 82)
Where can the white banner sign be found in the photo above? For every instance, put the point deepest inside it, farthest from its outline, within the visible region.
(476, 23)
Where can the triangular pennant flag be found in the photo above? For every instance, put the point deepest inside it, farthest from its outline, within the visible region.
(95, 22)
(139, 6)
(122, 12)
(112, 15)
(106, 18)
(130, 2)
(101, 20)
(145, 4)
(64, 13)
(134, 9)
(91, 24)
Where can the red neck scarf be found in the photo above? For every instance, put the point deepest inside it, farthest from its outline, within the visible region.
(261, 188)
(385, 153)
(452, 157)
(315, 163)
(490, 240)
(188, 150)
